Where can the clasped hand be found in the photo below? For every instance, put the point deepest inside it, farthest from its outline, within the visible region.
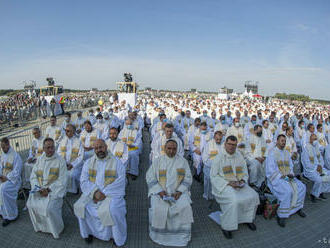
(236, 184)
(44, 192)
(3, 179)
(98, 196)
(176, 195)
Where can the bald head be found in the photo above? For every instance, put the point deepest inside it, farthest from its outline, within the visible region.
(100, 148)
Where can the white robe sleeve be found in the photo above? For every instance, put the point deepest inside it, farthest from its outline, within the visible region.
(152, 180)
(205, 154)
(191, 142)
(327, 157)
(218, 182)
(308, 166)
(15, 175)
(187, 181)
(180, 151)
(272, 172)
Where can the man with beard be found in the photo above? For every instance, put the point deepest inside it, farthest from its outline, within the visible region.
(101, 209)
(288, 190)
(229, 177)
(117, 147)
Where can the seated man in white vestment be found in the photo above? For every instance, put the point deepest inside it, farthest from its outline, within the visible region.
(71, 149)
(100, 125)
(170, 216)
(267, 133)
(321, 138)
(222, 125)
(327, 157)
(314, 169)
(10, 182)
(101, 209)
(67, 121)
(53, 131)
(291, 147)
(211, 150)
(249, 127)
(237, 131)
(256, 153)
(48, 182)
(229, 178)
(197, 142)
(158, 143)
(88, 137)
(79, 123)
(289, 191)
(117, 147)
(186, 123)
(35, 151)
(132, 138)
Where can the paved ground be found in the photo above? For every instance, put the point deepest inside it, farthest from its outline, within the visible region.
(313, 231)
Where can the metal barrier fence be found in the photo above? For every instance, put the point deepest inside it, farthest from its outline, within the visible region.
(24, 117)
(21, 140)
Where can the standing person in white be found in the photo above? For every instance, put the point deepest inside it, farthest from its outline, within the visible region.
(48, 181)
(101, 209)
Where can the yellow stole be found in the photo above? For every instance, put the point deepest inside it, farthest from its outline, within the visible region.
(181, 172)
(283, 164)
(8, 166)
(131, 136)
(311, 154)
(52, 175)
(213, 149)
(118, 149)
(92, 137)
(74, 150)
(231, 172)
(110, 173)
(37, 151)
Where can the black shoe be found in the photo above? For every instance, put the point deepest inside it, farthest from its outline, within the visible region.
(322, 196)
(313, 198)
(298, 177)
(197, 178)
(252, 226)
(281, 222)
(6, 222)
(89, 239)
(227, 234)
(301, 213)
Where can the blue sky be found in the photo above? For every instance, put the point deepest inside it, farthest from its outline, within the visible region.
(178, 44)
